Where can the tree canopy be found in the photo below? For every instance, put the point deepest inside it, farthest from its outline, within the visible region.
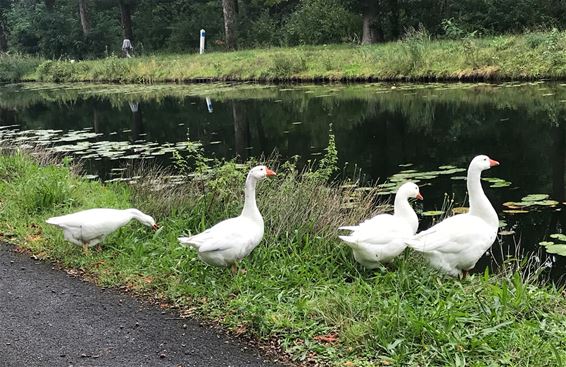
(94, 28)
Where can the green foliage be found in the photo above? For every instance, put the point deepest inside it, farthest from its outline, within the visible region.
(321, 21)
(301, 283)
(17, 67)
(173, 25)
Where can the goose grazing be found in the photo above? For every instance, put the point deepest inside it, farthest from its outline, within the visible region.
(89, 227)
(456, 244)
(382, 238)
(233, 239)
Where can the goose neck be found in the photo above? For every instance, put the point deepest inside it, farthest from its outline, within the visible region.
(479, 203)
(404, 210)
(250, 206)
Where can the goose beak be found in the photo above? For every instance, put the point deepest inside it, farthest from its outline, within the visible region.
(493, 163)
(270, 173)
(419, 196)
(155, 227)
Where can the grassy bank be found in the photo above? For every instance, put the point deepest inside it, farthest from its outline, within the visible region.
(302, 287)
(532, 55)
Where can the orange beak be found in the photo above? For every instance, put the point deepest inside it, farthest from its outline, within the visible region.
(493, 163)
(419, 196)
(270, 173)
(155, 227)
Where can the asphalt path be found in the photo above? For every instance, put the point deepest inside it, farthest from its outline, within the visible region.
(49, 318)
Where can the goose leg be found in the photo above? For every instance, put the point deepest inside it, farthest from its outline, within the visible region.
(86, 251)
(98, 247)
(234, 268)
(464, 274)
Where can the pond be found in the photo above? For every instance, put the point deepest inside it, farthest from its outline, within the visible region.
(389, 132)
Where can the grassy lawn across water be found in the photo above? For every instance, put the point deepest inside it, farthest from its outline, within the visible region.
(533, 55)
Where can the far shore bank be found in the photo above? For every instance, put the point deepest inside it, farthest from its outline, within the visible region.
(530, 56)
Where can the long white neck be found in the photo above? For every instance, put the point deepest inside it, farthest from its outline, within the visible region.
(135, 214)
(479, 203)
(250, 207)
(404, 210)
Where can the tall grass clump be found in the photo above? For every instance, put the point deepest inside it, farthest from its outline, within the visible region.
(300, 289)
(17, 67)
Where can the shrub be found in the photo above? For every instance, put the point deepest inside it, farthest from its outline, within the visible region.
(321, 21)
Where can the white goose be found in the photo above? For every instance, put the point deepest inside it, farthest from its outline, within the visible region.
(89, 227)
(382, 238)
(232, 239)
(456, 244)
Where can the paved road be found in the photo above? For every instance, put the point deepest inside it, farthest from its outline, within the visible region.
(48, 318)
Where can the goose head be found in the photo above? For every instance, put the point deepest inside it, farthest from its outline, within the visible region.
(410, 190)
(146, 220)
(260, 172)
(482, 162)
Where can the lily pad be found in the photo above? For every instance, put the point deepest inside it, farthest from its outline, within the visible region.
(460, 210)
(432, 213)
(559, 237)
(557, 249)
(535, 197)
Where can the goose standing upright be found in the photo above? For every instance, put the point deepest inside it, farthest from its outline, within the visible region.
(233, 239)
(382, 238)
(89, 227)
(456, 244)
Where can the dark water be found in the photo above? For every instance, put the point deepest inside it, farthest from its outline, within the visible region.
(380, 129)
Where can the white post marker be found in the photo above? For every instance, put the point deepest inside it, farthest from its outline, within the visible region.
(209, 105)
(202, 36)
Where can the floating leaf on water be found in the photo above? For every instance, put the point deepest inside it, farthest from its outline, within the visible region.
(462, 178)
(556, 249)
(559, 237)
(506, 232)
(460, 210)
(451, 171)
(497, 182)
(515, 211)
(296, 123)
(500, 184)
(405, 165)
(432, 213)
(535, 197)
(447, 167)
(512, 205)
(547, 203)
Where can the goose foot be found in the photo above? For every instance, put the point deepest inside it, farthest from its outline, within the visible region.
(235, 268)
(98, 247)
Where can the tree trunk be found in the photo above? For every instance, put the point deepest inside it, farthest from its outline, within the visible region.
(126, 19)
(372, 32)
(85, 21)
(394, 18)
(3, 38)
(229, 10)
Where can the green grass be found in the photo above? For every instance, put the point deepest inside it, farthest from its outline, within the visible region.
(17, 67)
(532, 55)
(301, 282)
